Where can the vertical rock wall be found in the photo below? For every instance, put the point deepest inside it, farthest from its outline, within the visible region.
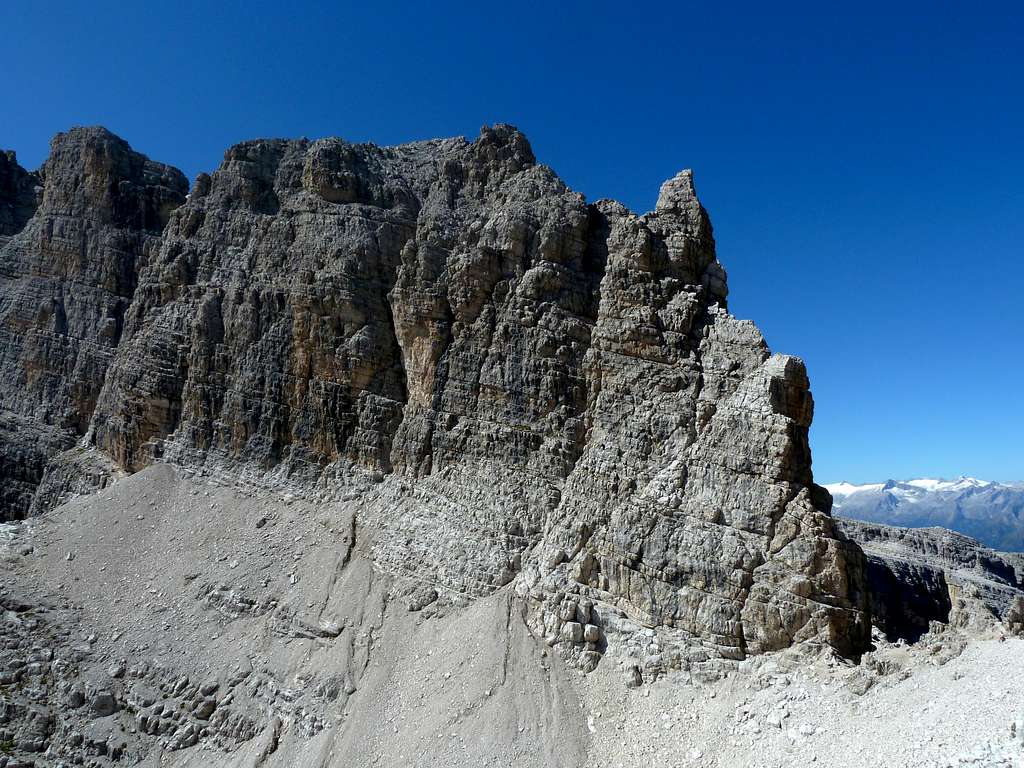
(532, 388)
(67, 277)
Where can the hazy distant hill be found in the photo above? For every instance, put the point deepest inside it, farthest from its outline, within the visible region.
(988, 511)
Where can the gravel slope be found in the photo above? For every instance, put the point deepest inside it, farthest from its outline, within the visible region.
(922, 713)
(248, 629)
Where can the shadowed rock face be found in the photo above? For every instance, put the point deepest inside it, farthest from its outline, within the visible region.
(919, 575)
(524, 387)
(17, 195)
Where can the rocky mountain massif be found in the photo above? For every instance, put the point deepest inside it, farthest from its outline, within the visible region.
(992, 513)
(77, 236)
(349, 451)
(552, 390)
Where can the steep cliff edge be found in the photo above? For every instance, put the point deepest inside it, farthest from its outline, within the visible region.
(521, 388)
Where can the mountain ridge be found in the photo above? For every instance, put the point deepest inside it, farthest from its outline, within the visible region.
(991, 512)
(421, 325)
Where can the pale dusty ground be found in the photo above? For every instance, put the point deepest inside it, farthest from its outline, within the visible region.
(960, 713)
(464, 683)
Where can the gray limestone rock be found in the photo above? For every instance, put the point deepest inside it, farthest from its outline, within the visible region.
(18, 195)
(523, 387)
(921, 575)
(67, 277)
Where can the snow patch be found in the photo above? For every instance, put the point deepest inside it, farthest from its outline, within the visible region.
(847, 489)
(960, 484)
(900, 488)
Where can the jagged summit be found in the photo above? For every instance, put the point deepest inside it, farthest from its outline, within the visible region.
(447, 314)
(677, 194)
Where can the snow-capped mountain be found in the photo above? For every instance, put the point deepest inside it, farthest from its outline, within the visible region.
(992, 513)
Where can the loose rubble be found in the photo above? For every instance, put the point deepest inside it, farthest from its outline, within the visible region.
(172, 652)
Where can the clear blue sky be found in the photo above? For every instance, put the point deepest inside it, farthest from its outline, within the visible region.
(863, 165)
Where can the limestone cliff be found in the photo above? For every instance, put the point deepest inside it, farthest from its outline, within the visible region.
(17, 195)
(520, 387)
(67, 277)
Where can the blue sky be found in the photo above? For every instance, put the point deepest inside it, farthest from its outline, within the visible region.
(863, 165)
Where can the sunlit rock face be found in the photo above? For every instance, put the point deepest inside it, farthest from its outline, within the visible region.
(522, 388)
(75, 237)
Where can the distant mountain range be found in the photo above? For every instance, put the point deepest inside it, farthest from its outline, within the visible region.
(992, 513)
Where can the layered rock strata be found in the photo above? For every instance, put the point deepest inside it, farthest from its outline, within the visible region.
(917, 576)
(67, 277)
(521, 386)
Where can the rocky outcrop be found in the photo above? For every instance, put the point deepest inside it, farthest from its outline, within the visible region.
(521, 387)
(920, 575)
(261, 331)
(18, 190)
(67, 277)
(25, 448)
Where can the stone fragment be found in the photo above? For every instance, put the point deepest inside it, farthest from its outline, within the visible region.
(633, 677)
(572, 631)
(102, 703)
(567, 611)
(204, 708)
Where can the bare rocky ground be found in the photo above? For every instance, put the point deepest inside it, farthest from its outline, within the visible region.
(926, 706)
(168, 620)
